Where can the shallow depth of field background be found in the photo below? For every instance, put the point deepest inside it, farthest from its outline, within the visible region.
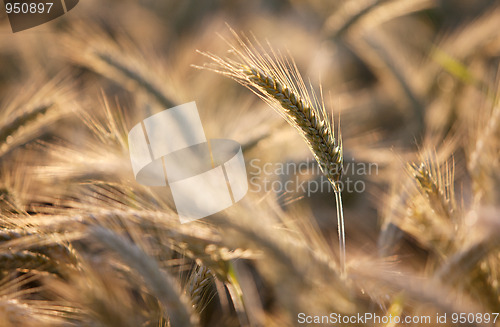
(413, 85)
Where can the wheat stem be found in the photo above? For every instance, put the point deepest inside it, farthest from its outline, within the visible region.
(341, 231)
(140, 79)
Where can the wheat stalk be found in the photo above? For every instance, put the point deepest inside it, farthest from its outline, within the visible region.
(14, 123)
(40, 104)
(117, 59)
(159, 282)
(37, 244)
(277, 81)
(136, 76)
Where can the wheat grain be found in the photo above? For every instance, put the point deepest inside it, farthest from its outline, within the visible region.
(117, 59)
(277, 81)
(136, 76)
(437, 188)
(37, 244)
(26, 260)
(465, 269)
(199, 286)
(40, 104)
(310, 121)
(159, 282)
(21, 119)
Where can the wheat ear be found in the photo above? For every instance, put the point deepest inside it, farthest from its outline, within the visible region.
(438, 188)
(310, 122)
(277, 81)
(198, 287)
(162, 284)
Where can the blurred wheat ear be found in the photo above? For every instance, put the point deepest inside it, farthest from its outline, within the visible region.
(277, 81)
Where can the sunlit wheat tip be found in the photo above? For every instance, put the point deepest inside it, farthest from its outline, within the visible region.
(277, 81)
(314, 128)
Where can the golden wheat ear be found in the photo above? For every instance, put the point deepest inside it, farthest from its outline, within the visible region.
(277, 81)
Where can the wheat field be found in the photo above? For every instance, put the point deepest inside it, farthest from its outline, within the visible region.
(371, 136)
